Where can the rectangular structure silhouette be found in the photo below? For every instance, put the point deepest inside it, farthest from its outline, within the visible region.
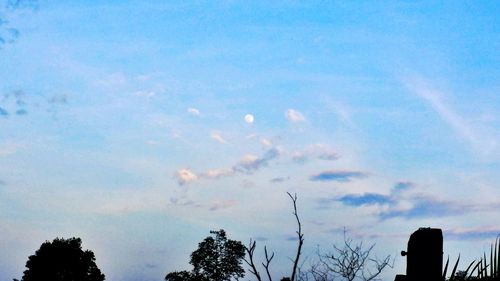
(424, 256)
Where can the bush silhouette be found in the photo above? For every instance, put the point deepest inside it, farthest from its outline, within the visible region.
(62, 260)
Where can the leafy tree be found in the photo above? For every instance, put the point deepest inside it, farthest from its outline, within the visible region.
(62, 260)
(216, 259)
(180, 276)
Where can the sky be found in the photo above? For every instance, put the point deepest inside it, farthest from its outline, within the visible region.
(141, 126)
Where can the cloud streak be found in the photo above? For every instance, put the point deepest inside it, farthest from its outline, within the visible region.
(339, 176)
(477, 233)
(248, 165)
(318, 151)
(404, 202)
(251, 163)
(481, 142)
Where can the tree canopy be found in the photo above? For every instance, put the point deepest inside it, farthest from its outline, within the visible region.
(62, 260)
(216, 259)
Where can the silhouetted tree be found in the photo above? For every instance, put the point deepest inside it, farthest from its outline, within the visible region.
(62, 260)
(351, 261)
(180, 276)
(216, 259)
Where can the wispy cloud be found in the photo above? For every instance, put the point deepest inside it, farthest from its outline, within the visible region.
(217, 173)
(424, 207)
(8, 33)
(215, 135)
(319, 151)
(279, 179)
(266, 143)
(9, 147)
(341, 176)
(4, 113)
(294, 116)
(145, 93)
(364, 199)
(477, 233)
(222, 204)
(21, 111)
(481, 142)
(58, 99)
(403, 201)
(248, 165)
(20, 103)
(251, 163)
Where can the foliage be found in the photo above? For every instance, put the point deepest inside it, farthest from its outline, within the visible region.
(62, 260)
(216, 259)
(481, 270)
(180, 276)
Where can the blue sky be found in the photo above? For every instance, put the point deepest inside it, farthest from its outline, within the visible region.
(140, 127)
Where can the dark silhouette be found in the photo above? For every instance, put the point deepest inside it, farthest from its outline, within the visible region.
(350, 261)
(180, 276)
(216, 259)
(62, 260)
(269, 257)
(424, 256)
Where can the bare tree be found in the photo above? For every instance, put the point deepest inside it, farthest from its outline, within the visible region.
(250, 249)
(351, 261)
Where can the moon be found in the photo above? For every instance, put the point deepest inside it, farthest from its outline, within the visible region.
(249, 118)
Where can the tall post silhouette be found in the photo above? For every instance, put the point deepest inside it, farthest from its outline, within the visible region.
(424, 256)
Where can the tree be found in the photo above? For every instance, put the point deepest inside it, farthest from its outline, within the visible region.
(180, 276)
(62, 260)
(351, 261)
(216, 259)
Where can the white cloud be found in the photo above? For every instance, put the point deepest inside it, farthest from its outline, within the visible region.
(185, 176)
(193, 111)
(249, 118)
(217, 136)
(295, 116)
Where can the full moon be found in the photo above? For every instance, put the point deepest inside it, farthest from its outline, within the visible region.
(249, 118)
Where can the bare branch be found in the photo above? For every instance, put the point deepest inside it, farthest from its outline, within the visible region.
(250, 251)
(268, 261)
(299, 234)
(351, 261)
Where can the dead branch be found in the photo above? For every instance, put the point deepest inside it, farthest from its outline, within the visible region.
(268, 261)
(250, 251)
(300, 235)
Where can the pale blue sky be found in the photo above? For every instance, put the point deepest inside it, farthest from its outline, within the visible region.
(123, 123)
